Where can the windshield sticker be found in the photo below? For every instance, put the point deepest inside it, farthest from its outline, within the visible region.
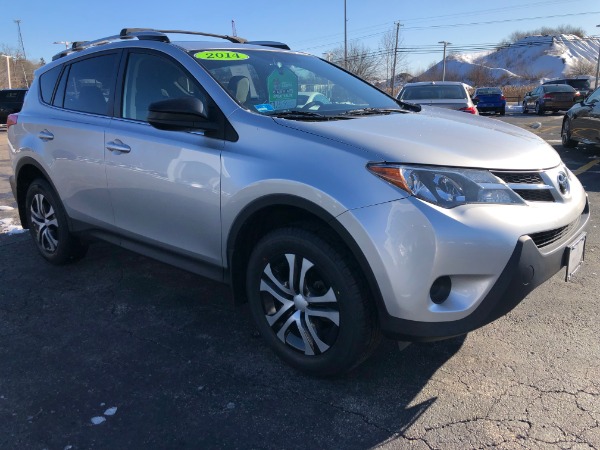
(221, 56)
(282, 86)
(265, 107)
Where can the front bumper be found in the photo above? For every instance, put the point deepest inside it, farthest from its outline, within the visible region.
(491, 269)
(526, 269)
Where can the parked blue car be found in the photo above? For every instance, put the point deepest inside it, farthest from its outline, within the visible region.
(489, 99)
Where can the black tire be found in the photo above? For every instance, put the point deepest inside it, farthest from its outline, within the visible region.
(300, 329)
(49, 227)
(539, 110)
(565, 135)
(525, 110)
(503, 111)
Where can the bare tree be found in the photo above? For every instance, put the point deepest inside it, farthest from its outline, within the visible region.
(361, 61)
(21, 70)
(581, 67)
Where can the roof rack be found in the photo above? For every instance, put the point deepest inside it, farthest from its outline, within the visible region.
(151, 34)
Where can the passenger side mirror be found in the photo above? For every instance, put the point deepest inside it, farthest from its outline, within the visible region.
(180, 114)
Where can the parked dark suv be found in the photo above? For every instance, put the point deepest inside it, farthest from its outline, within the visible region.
(11, 101)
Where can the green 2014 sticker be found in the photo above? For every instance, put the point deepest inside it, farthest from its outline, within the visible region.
(221, 56)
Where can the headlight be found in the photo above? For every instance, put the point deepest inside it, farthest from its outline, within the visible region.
(447, 186)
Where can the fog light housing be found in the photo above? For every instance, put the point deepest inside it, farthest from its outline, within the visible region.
(440, 290)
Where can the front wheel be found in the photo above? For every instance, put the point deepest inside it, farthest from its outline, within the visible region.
(565, 135)
(310, 302)
(539, 110)
(48, 225)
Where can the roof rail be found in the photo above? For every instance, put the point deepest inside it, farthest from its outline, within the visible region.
(134, 32)
(151, 34)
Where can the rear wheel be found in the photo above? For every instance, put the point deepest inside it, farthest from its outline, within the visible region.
(503, 111)
(310, 302)
(48, 225)
(565, 135)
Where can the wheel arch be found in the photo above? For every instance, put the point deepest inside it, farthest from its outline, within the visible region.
(276, 211)
(28, 170)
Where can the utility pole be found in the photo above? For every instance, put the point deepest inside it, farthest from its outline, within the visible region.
(444, 64)
(393, 82)
(345, 38)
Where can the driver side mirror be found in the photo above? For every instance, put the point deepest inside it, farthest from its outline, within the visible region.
(180, 114)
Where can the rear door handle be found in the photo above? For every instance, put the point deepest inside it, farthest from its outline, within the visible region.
(118, 146)
(45, 135)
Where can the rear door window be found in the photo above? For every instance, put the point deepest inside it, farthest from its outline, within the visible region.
(90, 84)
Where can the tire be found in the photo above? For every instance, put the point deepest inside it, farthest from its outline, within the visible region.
(503, 111)
(325, 324)
(565, 135)
(48, 225)
(539, 110)
(525, 110)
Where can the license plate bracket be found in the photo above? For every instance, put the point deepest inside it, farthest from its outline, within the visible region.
(575, 256)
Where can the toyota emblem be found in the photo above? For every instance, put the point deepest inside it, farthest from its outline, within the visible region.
(563, 183)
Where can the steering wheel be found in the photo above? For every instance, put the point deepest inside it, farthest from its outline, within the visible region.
(313, 103)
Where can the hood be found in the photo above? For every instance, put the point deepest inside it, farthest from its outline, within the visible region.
(437, 136)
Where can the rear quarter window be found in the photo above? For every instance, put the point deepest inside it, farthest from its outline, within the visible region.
(48, 82)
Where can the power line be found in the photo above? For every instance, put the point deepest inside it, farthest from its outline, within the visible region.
(458, 25)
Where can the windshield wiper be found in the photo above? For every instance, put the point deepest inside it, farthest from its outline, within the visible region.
(371, 111)
(303, 115)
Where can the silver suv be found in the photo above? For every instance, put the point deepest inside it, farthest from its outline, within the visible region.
(337, 221)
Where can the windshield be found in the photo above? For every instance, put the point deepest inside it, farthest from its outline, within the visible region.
(273, 82)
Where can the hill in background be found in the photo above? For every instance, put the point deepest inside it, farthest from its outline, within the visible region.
(529, 60)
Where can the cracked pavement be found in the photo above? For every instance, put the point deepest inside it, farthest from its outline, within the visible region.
(185, 369)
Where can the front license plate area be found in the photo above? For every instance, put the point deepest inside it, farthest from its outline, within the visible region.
(576, 256)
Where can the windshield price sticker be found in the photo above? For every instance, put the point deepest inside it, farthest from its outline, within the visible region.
(282, 87)
(221, 56)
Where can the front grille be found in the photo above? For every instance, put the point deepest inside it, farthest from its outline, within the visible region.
(541, 195)
(520, 178)
(520, 183)
(545, 238)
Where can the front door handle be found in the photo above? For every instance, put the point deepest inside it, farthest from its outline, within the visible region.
(45, 135)
(118, 146)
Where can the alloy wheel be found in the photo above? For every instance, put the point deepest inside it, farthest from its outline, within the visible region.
(45, 223)
(299, 304)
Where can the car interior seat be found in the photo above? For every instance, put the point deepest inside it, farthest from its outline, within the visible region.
(239, 86)
(90, 99)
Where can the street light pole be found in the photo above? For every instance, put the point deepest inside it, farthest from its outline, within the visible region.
(66, 43)
(8, 70)
(597, 63)
(444, 61)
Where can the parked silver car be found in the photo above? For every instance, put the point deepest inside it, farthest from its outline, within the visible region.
(444, 94)
(336, 221)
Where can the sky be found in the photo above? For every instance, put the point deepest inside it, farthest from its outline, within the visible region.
(309, 25)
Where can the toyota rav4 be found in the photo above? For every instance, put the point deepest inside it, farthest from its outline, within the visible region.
(338, 221)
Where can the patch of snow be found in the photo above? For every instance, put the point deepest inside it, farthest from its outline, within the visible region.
(98, 420)
(7, 227)
(110, 411)
(6, 208)
(535, 125)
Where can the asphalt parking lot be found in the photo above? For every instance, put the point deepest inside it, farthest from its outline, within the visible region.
(120, 351)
